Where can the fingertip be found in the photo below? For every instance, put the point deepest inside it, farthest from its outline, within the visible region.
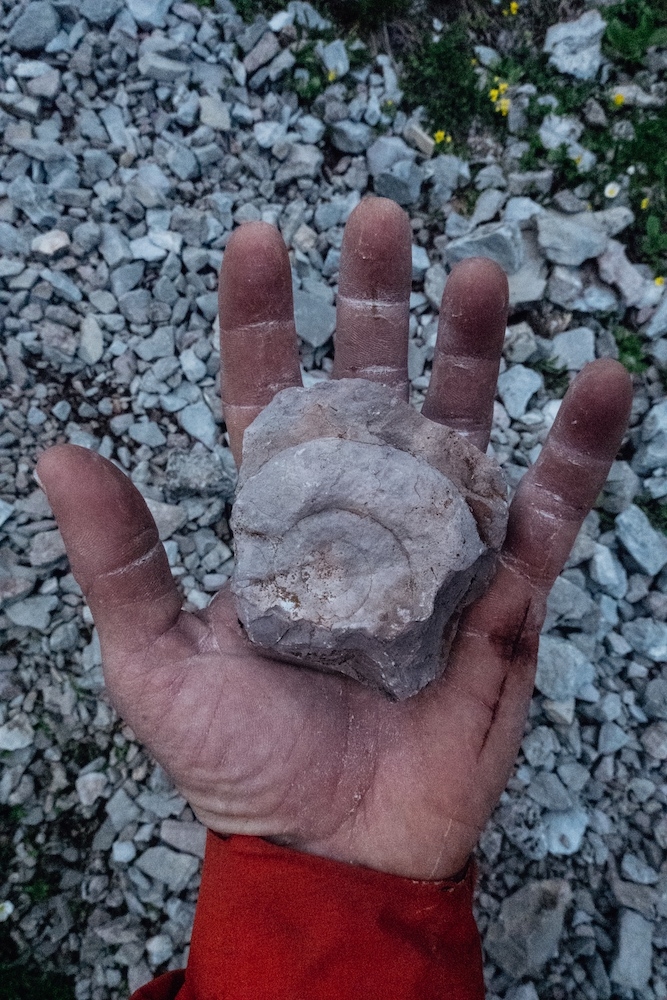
(255, 237)
(475, 305)
(375, 211)
(595, 412)
(255, 277)
(376, 258)
(61, 461)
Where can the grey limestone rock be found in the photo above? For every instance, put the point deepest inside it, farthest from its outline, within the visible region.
(621, 488)
(100, 11)
(516, 387)
(302, 161)
(352, 137)
(647, 637)
(169, 867)
(500, 241)
(574, 46)
(315, 318)
(529, 928)
(574, 348)
(632, 965)
(361, 528)
(646, 545)
(387, 151)
(198, 421)
(402, 183)
(571, 239)
(149, 13)
(562, 669)
(35, 28)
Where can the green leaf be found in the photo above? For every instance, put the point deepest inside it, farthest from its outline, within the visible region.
(659, 38)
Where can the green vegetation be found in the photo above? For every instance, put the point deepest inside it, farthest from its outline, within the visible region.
(26, 980)
(656, 512)
(309, 86)
(630, 350)
(21, 977)
(654, 243)
(366, 15)
(556, 379)
(441, 77)
(634, 26)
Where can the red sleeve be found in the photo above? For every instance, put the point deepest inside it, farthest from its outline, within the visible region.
(277, 924)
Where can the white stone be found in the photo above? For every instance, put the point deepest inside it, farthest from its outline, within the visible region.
(516, 387)
(91, 345)
(571, 239)
(144, 248)
(51, 244)
(574, 348)
(565, 831)
(334, 58)
(168, 517)
(634, 958)
(89, 787)
(159, 949)
(574, 46)
(123, 852)
(616, 269)
(169, 867)
(6, 511)
(562, 669)
(371, 569)
(646, 545)
(17, 734)
(215, 113)
(198, 421)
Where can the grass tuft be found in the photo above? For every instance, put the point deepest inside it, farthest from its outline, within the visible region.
(656, 512)
(441, 77)
(630, 350)
(556, 379)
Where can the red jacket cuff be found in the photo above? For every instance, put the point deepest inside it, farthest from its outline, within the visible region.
(273, 923)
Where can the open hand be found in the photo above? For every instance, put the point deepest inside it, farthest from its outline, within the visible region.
(316, 761)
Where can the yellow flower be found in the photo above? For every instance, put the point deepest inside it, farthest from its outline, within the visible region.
(448, 138)
(645, 204)
(504, 105)
(440, 136)
(332, 75)
(514, 7)
(618, 99)
(503, 87)
(494, 94)
(473, 62)
(660, 281)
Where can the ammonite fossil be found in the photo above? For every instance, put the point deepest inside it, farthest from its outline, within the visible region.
(361, 530)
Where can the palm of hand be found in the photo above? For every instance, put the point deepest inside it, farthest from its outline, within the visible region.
(316, 760)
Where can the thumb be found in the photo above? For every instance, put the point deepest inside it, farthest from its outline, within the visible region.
(113, 547)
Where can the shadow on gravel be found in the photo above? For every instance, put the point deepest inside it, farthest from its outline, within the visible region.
(24, 980)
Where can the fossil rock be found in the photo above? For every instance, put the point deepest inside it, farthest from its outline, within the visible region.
(361, 529)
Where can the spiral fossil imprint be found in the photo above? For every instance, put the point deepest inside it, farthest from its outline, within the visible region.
(361, 529)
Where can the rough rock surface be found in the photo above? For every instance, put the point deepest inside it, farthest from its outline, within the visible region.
(361, 528)
(531, 922)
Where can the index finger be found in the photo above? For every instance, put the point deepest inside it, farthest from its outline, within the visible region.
(259, 352)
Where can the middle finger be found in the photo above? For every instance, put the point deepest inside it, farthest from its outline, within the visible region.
(373, 314)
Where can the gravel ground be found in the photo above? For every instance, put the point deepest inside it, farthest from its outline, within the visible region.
(136, 134)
